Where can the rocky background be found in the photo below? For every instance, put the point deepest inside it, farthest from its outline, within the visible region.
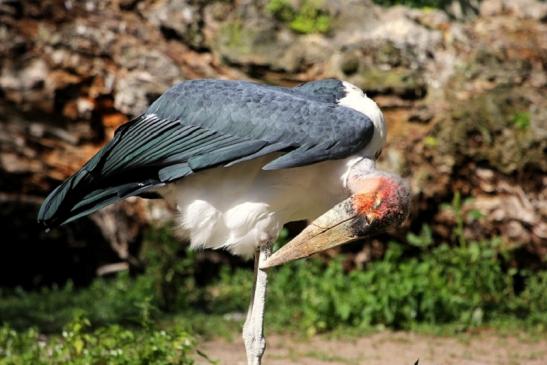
(463, 89)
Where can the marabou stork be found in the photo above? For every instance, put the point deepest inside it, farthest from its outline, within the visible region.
(237, 160)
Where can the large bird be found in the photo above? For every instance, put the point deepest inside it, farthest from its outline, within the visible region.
(237, 160)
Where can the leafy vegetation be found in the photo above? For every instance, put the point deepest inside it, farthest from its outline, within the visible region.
(521, 120)
(467, 285)
(308, 17)
(421, 283)
(123, 301)
(78, 344)
(463, 286)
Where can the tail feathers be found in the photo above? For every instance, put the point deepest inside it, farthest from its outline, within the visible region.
(95, 186)
(83, 194)
(101, 198)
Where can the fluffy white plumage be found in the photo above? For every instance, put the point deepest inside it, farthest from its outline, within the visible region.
(242, 206)
(357, 100)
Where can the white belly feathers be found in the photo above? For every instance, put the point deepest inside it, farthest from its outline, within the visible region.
(242, 206)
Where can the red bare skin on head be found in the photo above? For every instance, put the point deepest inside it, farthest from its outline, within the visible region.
(378, 199)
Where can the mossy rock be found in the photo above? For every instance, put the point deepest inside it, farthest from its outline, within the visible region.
(492, 67)
(376, 79)
(304, 16)
(401, 81)
(498, 127)
(382, 68)
(242, 43)
(235, 38)
(252, 44)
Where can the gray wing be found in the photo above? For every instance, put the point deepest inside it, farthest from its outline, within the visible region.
(206, 123)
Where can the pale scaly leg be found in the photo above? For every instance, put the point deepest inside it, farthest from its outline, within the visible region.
(247, 327)
(253, 330)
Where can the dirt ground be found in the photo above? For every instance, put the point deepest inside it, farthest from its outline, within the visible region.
(387, 348)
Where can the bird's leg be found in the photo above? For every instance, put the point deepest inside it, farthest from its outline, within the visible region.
(247, 327)
(259, 303)
(253, 330)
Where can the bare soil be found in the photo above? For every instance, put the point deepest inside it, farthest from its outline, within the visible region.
(387, 348)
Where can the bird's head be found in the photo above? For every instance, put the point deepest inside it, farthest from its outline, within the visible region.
(378, 201)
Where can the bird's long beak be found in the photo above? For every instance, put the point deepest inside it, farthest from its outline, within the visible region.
(333, 228)
(357, 217)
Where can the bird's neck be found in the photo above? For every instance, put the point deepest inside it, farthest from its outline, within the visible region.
(357, 100)
(356, 169)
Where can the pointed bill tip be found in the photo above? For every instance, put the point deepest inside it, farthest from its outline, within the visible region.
(280, 257)
(293, 250)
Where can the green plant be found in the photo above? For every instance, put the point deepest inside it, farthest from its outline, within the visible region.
(456, 207)
(308, 17)
(422, 240)
(120, 300)
(79, 344)
(461, 216)
(521, 120)
(463, 283)
(171, 267)
(461, 286)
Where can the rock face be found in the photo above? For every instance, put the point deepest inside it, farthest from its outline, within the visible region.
(464, 99)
